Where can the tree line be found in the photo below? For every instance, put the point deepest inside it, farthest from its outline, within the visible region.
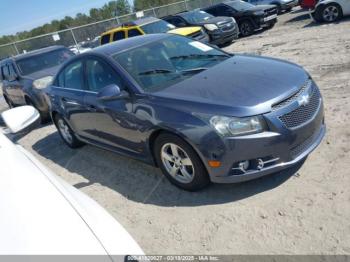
(108, 10)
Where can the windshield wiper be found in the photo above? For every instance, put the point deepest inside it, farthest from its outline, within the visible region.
(194, 70)
(156, 71)
(199, 56)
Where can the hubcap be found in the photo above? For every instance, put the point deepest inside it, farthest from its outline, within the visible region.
(330, 13)
(245, 29)
(177, 163)
(64, 130)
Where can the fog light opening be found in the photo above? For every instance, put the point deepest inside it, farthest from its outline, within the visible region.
(243, 165)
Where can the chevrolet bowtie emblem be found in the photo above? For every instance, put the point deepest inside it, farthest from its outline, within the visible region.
(304, 100)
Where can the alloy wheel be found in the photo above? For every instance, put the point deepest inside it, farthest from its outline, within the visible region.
(245, 29)
(330, 13)
(64, 130)
(177, 163)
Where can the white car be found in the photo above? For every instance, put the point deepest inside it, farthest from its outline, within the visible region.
(331, 10)
(43, 215)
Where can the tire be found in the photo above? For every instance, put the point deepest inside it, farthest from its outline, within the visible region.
(246, 28)
(278, 8)
(191, 174)
(9, 102)
(66, 133)
(44, 117)
(329, 13)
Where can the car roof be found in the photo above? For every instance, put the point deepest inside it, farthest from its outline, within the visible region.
(38, 51)
(132, 24)
(128, 43)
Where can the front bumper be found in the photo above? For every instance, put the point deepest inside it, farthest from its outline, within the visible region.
(218, 37)
(294, 131)
(274, 168)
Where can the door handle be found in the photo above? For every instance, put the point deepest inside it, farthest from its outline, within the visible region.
(91, 108)
(71, 102)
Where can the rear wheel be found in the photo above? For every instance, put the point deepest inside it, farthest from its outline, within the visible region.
(180, 163)
(8, 102)
(330, 13)
(66, 133)
(246, 28)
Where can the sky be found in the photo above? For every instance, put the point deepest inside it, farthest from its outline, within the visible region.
(20, 15)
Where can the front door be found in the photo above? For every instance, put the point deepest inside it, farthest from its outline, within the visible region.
(110, 122)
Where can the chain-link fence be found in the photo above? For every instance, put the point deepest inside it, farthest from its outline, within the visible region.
(86, 36)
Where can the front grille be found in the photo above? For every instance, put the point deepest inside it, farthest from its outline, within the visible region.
(303, 113)
(269, 12)
(299, 149)
(294, 97)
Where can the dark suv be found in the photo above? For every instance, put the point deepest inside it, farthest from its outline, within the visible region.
(221, 30)
(249, 17)
(26, 75)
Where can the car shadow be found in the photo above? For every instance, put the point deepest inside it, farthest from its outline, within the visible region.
(314, 23)
(302, 17)
(143, 183)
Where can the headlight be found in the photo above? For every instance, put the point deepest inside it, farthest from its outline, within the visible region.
(42, 83)
(234, 126)
(211, 27)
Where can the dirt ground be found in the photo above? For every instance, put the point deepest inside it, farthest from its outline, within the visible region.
(295, 212)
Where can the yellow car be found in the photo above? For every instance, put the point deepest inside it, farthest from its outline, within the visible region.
(151, 25)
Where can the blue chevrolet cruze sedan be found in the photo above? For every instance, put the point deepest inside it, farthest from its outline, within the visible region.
(197, 112)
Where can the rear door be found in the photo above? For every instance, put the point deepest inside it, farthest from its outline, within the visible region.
(68, 94)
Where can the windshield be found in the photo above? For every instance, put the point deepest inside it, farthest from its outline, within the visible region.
(196, 17)
(160, 64)
(157, 27)
(240, 5)
(43, 61)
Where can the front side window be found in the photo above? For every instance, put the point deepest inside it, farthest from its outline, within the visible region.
(160, 64)
(73, 76)
(43, 61)
(100, 75)
(157, 27)
(196, 17)
(118, 35)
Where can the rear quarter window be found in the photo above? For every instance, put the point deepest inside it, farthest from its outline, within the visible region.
(105, 39)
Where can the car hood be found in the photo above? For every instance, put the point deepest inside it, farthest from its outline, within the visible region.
(51, 71)
(248, 85)
(260, 8)
(216, 20)
(185, 31)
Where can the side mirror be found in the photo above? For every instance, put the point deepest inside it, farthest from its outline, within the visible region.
(21, 119)
(112, 92)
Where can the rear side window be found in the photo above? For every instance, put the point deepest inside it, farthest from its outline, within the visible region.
(12, 71)
(71, 76)
(134, 32)
(118, 35)
(105, 39)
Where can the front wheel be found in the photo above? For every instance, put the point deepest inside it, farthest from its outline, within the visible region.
(180, 163)
(246, 28)
(330, 13)
(66, 133)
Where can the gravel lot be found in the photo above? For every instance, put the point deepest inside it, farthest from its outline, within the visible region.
(305, 211)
